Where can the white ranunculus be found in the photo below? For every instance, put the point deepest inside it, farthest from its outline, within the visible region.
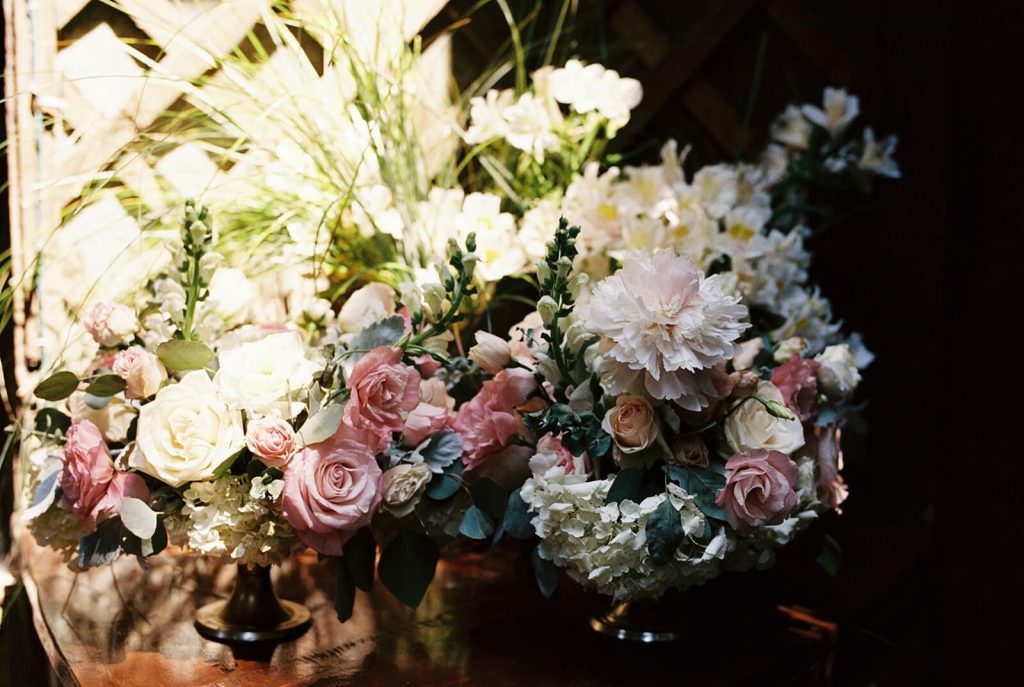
(403, 485)
(263, 375)
(186, 432)
(753, 427)
(231, 294)
(366, 305)
(838, 375)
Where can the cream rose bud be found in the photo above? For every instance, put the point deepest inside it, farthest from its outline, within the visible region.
(264, 375)
(186, 432)
(403, 486)
(231, 293)
(141, 370)
(631, 423)
(114, 419)
(752, 427)
(271, 439)
(838, 375)
(434, 391)
(491, 353)
(794, 345)
(110, 324)
(367, 305)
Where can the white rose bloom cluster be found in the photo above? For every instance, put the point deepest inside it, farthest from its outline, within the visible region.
(221, 518)
(604, 545)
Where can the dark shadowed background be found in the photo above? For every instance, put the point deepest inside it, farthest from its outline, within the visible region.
(930, 534)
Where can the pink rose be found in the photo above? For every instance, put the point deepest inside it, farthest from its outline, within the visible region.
(90, 484)
(489, 420)
(272, 440)
(383, 389)
(143, 371)
(434, 392)
(424, 420)
(797, 381)
(331, 490)
(427, 365)
(759, 489)
(549, 444)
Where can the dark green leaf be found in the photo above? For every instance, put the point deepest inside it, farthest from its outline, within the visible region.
(381, 333)
(360, 555)
(102, 546)
(106, 385)
(51, 421)
(628, 484)
(545, 572)
(344, 589)
(489, 496)
(95, 402)
(517, 517)
(179, 355)
(407, 566)
(476, 524)
(322, 425)
(443, 449)
(445, 485)
(224, 467)
(57, 386)
(831, 556)
(664, 533)
(701, 483)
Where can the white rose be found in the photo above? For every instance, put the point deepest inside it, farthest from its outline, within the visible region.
(110, 323)
(794, 345)
(753, 427)
(113, 419)
(403, 486)
(838, 375)
(231, 293)
(263, 375)
(186, 432)
(365, 306)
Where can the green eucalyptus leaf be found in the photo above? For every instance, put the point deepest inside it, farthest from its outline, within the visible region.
(490, 497)
(831, 556)
(381, 333)
(105, 386)
(360, 556)
(138, 518)
(344, 589)
(46, 489)
(664, 533)
(545, 572)
(407, 566)
(51, 421)
(703, 484)
(447, 484)
(628, 484)
(518, 517)
(102, 546)
(476, 524)
(179, 355)
(95, 402)
(441, 450)
(322, 425)
(57, 386)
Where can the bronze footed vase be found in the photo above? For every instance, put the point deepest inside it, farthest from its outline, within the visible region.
(636, 621)
(253, 616)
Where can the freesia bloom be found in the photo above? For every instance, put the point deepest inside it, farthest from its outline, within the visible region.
(530, 127)
(491, 352)
(663, 325)
(593, 87)
(265, 374)
(631, 423)
(487, 116)
(231, 295)
(110, 324)
(878, 155)
(751, 426)
(840, 108)
(798, 385)
(489, 421)
(141, 370)
(186, 431)
(425, 419)
(271, 439)
(90, 484)
(383, 389)
(759, 489)
(331, 490)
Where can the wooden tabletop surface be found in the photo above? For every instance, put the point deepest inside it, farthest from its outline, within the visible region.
(477, 626)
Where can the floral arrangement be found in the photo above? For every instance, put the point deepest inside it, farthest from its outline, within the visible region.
(670, 405)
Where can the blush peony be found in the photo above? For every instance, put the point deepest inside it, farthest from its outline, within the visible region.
(759, 489)
(331, 490)
(490, 420)
(663, 325)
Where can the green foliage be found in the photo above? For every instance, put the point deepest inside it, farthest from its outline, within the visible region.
(628, 484)
(664, 533)
(50, 421)
(445, 485)
(476, 524)
(517, 517)
(344, 588)
(701, 483)
(102, 546)
(489, 496)
(106, 386)
(407, 566)
(383, 333)
(545, 572)
(580, 432)
(831, 556)
(322, 425)
(360, 555)
(441, 450)
(57, 386)
(138, 518)
(179, 355)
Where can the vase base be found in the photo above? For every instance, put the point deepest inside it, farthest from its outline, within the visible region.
(622, 621)
(211, 624)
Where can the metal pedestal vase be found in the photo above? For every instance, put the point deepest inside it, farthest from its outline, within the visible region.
(253, 617)
(637, 621)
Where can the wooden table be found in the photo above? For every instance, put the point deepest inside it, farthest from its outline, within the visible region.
(477, 626)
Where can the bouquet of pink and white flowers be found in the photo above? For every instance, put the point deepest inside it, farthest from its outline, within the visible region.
(670, 406)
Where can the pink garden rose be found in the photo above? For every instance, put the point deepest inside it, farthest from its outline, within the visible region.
(424, 420)
(383, 390)
(90, 484)
(549, 444)
(759, 489)
(797, 381)
(141, 370)
(331, 490)
(490, 420)
(272, 440)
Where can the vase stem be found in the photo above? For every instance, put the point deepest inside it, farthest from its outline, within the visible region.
(636, 621)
